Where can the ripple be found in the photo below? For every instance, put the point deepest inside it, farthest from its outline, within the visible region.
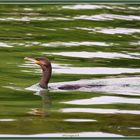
(7, 120)
(26, 18)
(135, 43)
(104, 100)
(99, 6)
(85, 6)
(99, 111)
(28, 9)
(95, 70)
(2, 44)
(80, 120)
(119, 31)
(133, 8)
(94, 54)
(106, 17)
(57, 44)
(111, 30)
(135, 128)
(70, 44)
(13, 88)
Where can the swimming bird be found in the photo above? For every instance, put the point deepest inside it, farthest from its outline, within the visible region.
(112, 84)
(46, 67)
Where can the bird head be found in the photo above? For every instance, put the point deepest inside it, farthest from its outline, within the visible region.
(42, 61)
(46, 68)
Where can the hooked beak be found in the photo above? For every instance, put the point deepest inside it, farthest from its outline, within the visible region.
(33, 60)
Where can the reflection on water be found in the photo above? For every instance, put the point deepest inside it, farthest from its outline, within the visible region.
(97, 55)
(87, 6)
(111, 30)
(95, 70)
(70, 44)
(26, 18)
(99, 17)
(2, 44)
(7, 120)
(45, 106)
(100, 111)
(106, 17)
(134, 127)
(104, 100)
(119, 31)
(80, 120)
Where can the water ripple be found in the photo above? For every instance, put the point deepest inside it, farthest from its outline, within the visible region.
(94, 7)
(104, 100)
(99, 111)
(72, 43)
(79, 120)
(3, 44)
(95, 70)
(106, 17)
(117, 30)
(97, 54)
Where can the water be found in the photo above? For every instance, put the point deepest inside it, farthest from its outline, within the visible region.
(96, 46)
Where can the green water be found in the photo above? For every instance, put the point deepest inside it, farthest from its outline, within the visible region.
(40, 30)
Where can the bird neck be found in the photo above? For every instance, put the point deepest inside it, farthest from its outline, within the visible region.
(46, 75)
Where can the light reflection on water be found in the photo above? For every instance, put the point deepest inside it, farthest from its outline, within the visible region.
(111, 30)
(100, 111)
(80, 120)
(106, 17)
(84, 54)
(104, 100)
(95, 70)
(7, 120)
(87, 6)
(70, 44)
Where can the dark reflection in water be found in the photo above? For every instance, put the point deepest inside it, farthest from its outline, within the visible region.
(45, 104)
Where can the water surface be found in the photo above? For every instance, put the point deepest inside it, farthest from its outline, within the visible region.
(93, 45)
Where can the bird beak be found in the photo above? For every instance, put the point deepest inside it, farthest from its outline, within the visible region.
(33, 60)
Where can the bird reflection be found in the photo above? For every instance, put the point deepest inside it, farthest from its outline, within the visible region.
(44, 110)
